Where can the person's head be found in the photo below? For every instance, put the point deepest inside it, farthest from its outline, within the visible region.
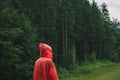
(45, 50)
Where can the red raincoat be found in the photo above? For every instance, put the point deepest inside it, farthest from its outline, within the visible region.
(44, 68)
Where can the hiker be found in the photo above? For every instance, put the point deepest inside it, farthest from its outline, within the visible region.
(44, 68)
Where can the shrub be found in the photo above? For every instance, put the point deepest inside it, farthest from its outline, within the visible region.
(62, 72)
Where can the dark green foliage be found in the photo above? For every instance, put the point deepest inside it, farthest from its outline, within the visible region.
(77, 31)
(17, 42)
(9, 52)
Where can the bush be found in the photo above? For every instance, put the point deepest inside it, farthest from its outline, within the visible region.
(83, 68)
(62, 72)
(88, 67)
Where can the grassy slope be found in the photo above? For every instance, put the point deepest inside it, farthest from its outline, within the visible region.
(106, 73)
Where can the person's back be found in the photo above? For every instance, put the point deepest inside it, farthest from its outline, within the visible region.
(44, 68)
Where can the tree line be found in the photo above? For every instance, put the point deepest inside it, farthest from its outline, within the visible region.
(77, 30)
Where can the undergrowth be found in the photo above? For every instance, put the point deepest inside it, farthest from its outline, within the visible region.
(83, 68)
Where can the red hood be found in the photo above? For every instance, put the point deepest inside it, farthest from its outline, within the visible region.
(45, 50)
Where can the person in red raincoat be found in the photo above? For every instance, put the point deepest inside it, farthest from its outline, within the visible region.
(44, 68)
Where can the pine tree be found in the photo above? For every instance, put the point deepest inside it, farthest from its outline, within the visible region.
(65, 26)
(9, 31)
(17, 44)
(109, 39)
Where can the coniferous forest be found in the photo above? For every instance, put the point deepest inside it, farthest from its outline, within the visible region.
(77, 30)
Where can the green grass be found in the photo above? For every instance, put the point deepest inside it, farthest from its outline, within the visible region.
(97, 71)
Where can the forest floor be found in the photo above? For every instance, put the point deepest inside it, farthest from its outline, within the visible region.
(106, 73)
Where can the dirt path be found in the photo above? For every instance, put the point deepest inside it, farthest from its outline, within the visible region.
(107, 73)
(113, 74)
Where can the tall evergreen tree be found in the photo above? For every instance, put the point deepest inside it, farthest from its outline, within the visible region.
(109, 40)
(17, 44)
(97, 35)
(65, 28)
